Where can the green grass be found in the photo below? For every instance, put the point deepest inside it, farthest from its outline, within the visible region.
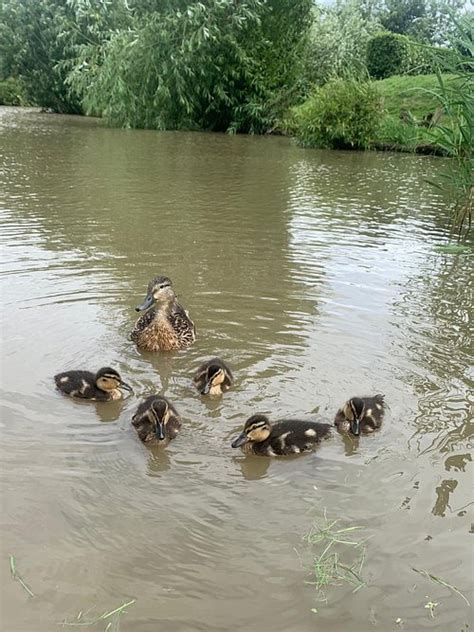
(406, 102)
(410, 93)
(334, 561)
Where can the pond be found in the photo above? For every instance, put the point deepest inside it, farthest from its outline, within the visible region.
(316, 275)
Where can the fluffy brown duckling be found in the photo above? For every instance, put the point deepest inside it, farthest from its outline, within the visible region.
(289, 436)
(166, 325)
(156, 421)
(360, 415)
(102, 386)
(213, 377)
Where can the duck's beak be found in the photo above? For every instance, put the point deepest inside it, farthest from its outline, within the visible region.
(160, 430)
(355, 426)
(207, 386)
(241, 439)
(149, 300)
(126, 386)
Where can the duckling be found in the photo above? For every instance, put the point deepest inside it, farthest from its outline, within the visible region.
(166, 326)
(102, 386)
(213, 377)
(289, 436)
(156, 421)
(360, 414)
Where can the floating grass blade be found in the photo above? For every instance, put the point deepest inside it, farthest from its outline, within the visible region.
(118, 610)
(79, 622)
(17, 577)
(438, 580)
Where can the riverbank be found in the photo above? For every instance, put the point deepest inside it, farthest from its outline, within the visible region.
(411, 113)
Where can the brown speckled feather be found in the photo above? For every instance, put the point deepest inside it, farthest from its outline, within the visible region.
(164, 330)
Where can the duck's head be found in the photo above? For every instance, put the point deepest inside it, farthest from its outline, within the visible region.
(159, 413)
(257, 428)
(353, 411)
(108, 379)
(160, 290)
(213, 375)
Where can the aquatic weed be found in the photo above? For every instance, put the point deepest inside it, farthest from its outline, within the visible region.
(330, 567)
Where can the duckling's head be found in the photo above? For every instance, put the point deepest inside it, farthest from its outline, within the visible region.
(257, 428)
(108, 379)
(353, 411)
(159, 413)
(213, 376)
(160, 290)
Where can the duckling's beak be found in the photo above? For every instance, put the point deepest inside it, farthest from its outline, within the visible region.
(160, 430)
(207, 386)
(149, 300)
(355, 426)
(241, 439)
(126, 386)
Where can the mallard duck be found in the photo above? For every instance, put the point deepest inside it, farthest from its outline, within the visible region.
(360, 414)
(102, 386)
(213, 377)
(289, 436)
(156, 421)
(166, 326)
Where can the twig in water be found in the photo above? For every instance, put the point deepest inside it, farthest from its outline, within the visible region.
(16, 576)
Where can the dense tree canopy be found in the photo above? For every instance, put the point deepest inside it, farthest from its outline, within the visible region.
(234, 65)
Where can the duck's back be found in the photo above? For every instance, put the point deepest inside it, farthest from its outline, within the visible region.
(292, 436)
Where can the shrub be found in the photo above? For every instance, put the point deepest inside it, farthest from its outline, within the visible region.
(387, 55)
(342, 114)
(11, 93)
(391, 54)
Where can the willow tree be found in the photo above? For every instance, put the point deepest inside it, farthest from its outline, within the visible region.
(216, 64)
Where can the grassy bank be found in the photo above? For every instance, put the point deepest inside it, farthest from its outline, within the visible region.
(411, 114)
(401, 113)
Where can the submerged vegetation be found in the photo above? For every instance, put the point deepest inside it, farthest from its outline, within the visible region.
(256, 66)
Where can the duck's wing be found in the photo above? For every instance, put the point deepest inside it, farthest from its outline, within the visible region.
(142, 323)
(182, 324)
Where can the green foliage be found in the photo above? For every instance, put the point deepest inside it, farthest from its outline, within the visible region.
(387, 55)
(32, 44)
(456, 136)
(220, 65)
(426, 21)
(401, 15)
(341, 114)
(338, 42)
(11, 93)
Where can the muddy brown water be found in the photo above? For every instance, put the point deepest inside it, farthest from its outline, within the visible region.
(316, 275)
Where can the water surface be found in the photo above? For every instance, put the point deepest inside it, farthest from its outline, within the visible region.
(315, 275)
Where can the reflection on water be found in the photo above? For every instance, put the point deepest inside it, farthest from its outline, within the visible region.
(314, 275)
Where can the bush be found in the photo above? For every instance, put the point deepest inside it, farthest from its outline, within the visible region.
(391, 54)
(343, 114)
(387, 55)
(11, 93)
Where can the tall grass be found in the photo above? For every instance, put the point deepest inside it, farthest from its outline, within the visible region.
(456, 135)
